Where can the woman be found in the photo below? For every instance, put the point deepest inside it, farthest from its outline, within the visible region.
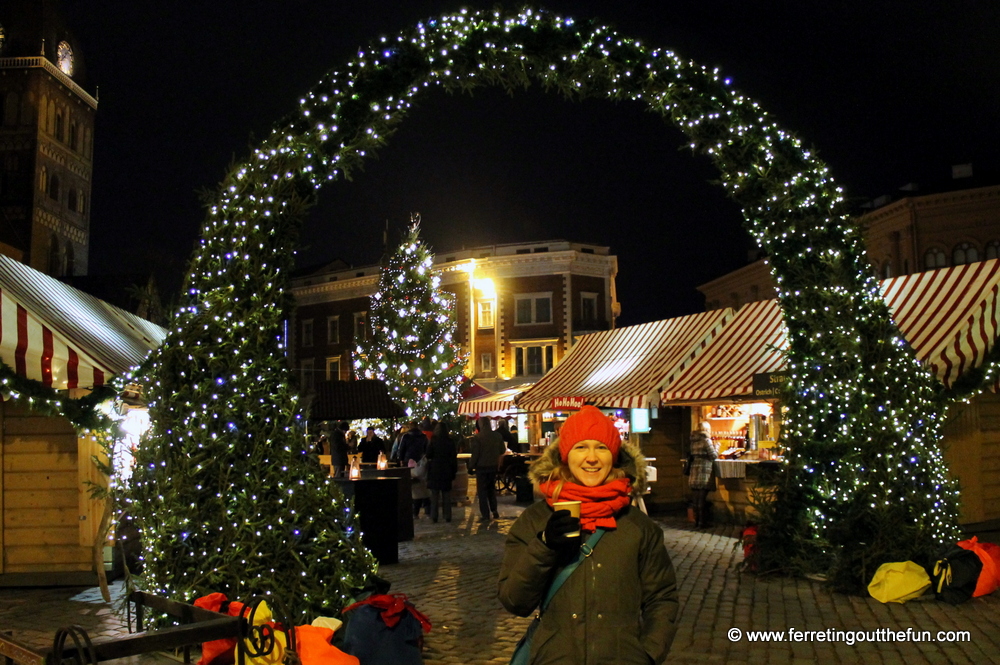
(703, 456)
(442, 467)
(620, 605)
(503, 429)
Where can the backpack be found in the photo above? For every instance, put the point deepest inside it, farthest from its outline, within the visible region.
(956, 575)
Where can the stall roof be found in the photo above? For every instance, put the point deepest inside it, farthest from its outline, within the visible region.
(63, 337)
(354, 400)
(949, 316)
(625, 367)
(498, 403)
(752, 342)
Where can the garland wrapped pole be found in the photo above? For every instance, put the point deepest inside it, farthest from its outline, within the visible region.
(223, 494)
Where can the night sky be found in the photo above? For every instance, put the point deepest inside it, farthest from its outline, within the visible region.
(888, 93)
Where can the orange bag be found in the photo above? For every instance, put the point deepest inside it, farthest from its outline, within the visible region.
(989, 554)
(313, 646)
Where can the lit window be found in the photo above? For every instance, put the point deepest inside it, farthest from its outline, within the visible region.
(533, 308)
(333, 330)
(360, 326)
(588, 306)
(533, 360)
(935, 258)
(307, 332)
(333, 369)
(307, 373)
(992, 249)
(485, 313)
(963, 253)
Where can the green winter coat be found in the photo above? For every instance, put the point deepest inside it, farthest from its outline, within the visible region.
(619, 606)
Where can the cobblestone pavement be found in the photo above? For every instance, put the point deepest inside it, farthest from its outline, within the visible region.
(449, 571)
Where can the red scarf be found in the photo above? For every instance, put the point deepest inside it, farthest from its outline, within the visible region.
(599, 504)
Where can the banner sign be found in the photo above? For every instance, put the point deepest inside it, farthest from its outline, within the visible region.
(768, 385)
(567, 403)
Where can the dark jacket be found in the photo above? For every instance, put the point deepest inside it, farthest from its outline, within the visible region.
(487, 447)
(442, 457)
(370, 449)
(619, 606)
(338, 448)
(509, 438)
(412, 446)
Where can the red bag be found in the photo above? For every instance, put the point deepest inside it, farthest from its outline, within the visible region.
(989, 554)
(218, 652)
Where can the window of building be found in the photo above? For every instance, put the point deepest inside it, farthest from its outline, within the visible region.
(935, 258)
(307, 374)
(55, 256)
(81, 200)
(73, 136)
(307, 332)
(992, 249)
(71, 201)
(70, 259)
(59, 125)
(333, 330)
(964, 252)
(486, 362)
(886, 270)
(533, 308)
(43, 181)
(360, 326)
(333, 369)
(486, 314)
(588, 306)
(533, 360)
(54, 187)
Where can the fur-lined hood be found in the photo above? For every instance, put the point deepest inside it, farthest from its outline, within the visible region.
(630, 459)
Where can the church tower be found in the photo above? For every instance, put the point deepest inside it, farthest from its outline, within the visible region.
(46, 140)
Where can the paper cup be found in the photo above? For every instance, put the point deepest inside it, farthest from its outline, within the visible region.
(574, 509)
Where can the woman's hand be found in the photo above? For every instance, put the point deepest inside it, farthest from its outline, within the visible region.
(560, 523)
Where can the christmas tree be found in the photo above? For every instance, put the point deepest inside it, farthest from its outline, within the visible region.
(411, 343)
(224, 493)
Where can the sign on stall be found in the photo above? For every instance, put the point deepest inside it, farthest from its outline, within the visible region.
(768, 384)
(567, 403)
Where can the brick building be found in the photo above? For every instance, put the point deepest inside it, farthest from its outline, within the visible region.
(46, 140)
(912, 234)
(519, 308)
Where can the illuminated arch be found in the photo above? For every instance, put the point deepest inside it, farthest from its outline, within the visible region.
(857, 393)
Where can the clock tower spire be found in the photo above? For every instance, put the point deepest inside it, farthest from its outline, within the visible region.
(46, 140)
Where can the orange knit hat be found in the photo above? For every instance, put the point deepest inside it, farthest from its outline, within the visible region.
(589, 424)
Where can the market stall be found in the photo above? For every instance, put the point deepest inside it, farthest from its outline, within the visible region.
(623, 371)
(949, 316)
(55, 337)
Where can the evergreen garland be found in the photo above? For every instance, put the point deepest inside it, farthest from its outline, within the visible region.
(83, 412)
(865, 478)
(411, 344)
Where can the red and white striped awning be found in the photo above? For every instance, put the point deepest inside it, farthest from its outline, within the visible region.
(752, 342)
(494, 404)
(626, 367)
(64, 338)
(950, 316)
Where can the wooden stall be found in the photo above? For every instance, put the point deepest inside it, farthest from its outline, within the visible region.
(56, 337)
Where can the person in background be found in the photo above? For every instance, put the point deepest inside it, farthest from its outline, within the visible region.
(412, 448)
(442, 459)
(397, 438)
(370, 447)
(412, 445)
(703, 455)
(427, 427)
(338, 449)
(621, 605)
(487, 447)
(509, 440)
(352, 442)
